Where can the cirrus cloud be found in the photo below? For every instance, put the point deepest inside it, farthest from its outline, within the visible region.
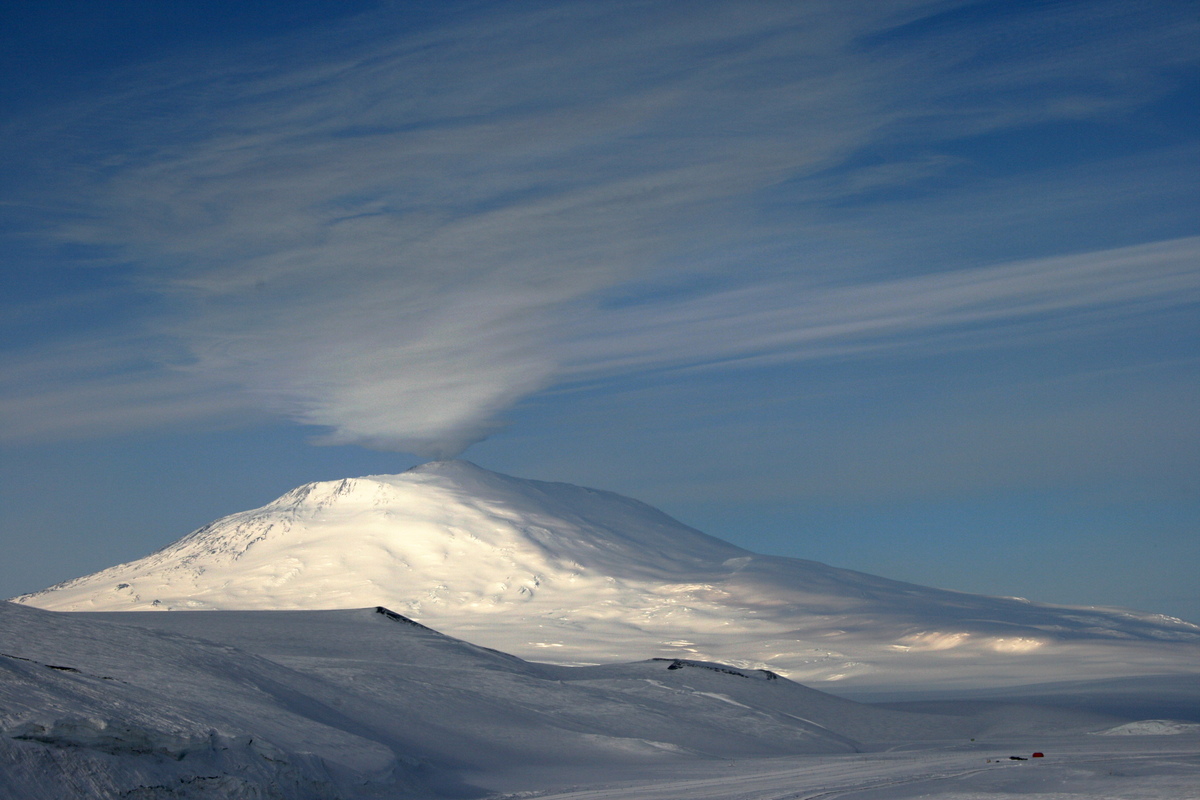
(398, 236)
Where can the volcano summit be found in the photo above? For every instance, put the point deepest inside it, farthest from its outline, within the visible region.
(559, 573)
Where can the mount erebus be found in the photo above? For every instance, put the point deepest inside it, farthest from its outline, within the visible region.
(559, 573)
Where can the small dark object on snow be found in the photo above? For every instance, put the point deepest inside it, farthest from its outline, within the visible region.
(678, 663)
(387, 612)
(1017, 758)
(47, 666)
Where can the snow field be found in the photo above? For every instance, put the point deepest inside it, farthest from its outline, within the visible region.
(366, 703)
(1074, 769)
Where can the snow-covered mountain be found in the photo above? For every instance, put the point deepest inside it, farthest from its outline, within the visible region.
(563, 574)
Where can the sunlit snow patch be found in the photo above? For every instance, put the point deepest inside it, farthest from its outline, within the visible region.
(1152, 727)
(1018, 644)
(933, 640)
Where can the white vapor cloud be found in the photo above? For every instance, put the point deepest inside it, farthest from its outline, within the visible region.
(398, 236)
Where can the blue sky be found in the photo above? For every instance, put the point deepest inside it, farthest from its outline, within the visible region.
(905, 287)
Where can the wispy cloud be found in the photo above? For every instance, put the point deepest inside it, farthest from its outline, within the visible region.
(1037, 300)
(397, 236)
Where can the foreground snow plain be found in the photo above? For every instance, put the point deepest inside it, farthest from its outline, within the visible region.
(1079, 770)
(368, 704)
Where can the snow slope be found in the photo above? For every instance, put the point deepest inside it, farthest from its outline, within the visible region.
(1153, 727)
(559, 573)
(89, 709)
(365, 703)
